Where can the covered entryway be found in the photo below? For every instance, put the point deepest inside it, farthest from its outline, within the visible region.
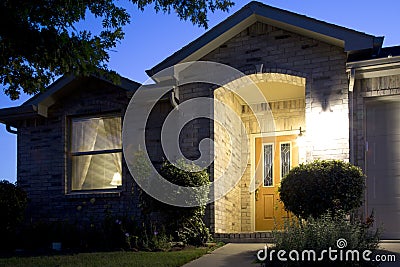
(383, 163)
(275, 156)
(269, 120)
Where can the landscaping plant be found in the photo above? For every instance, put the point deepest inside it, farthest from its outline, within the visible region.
(319, 234)
(13, 202)
(322, 194)
(184, 224)
(312, 189)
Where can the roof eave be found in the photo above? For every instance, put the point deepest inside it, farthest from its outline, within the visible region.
(38, 105)
(350, 40)
(378, 67)
(47, 97)
(11, 116)
(244, 16)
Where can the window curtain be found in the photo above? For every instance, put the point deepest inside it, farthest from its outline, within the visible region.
(83, 139)
(112, 127)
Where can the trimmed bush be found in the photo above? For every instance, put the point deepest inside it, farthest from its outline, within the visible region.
(314, 188)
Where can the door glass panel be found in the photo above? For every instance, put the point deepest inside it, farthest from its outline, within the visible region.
(268, 165)
(285, 159)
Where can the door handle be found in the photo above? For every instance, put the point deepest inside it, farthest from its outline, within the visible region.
(257, 194)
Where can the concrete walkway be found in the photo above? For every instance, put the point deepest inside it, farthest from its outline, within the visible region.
(232, 255)
(244, 254)
(390, 248)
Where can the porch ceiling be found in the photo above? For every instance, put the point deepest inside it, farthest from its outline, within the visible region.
(275, 91)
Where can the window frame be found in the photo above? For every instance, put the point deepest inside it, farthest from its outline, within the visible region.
(70, 154)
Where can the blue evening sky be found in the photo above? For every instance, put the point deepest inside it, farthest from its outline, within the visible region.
(152, 37)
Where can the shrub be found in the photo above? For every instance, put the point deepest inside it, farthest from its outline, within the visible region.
(184, 224)
(314, 188)
(321, 233)
(120, 232)
(152, 239)
(12, 205)
(114, 233)
(13, 202)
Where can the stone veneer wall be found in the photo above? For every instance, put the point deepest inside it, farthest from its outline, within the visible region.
(228, 160)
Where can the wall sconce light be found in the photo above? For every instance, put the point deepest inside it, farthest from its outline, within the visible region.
(301, 131)
(325, 106)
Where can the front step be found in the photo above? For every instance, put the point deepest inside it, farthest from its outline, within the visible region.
(255, 237)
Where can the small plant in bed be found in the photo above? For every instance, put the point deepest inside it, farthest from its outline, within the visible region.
(322, 234)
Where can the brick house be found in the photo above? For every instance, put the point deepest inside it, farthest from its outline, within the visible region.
(333, 92)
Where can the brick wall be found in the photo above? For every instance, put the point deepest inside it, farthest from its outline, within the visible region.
(42, 158)
(323, 67)
(320, 67)
(228, 160)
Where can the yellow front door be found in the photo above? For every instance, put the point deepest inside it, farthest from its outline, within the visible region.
(274, 156)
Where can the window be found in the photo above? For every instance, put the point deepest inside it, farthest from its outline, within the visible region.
(268, 165)
(96, 153)
(285, 159)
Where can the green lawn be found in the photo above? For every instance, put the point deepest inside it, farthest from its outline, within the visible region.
(174, 258)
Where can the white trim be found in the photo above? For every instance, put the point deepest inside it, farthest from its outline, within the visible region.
(377, 73)
(252, 184)
(277, 133)
(375, 67)
(373, 63)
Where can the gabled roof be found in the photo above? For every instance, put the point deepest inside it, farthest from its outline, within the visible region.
(56, 88)
(350, 40)
(38, 104)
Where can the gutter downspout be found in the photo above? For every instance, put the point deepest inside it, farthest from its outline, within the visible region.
(351, 78)
(352, 75)
(8, 128)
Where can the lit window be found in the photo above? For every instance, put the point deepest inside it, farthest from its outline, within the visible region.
(268, 165)
(285, 159)
(96, 153)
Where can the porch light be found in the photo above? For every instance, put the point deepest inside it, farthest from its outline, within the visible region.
(327, 129)
(117, 179)
(301, 131)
